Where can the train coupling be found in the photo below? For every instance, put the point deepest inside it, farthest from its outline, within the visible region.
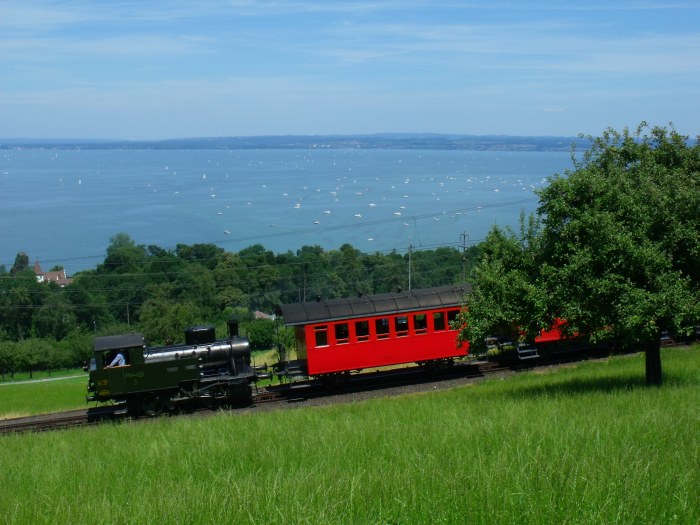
(261, 372)
(291, 369)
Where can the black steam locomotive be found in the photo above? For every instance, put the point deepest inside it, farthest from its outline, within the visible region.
(148, 380)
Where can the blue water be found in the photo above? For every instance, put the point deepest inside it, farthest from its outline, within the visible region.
(63, 206)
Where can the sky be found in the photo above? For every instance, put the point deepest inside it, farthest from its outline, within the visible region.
(147, 70)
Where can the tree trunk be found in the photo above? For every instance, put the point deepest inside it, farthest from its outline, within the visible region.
(653, 362)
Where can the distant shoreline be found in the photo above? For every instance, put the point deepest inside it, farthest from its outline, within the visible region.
(377, 141)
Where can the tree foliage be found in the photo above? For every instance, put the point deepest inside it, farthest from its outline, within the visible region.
(618, 249)
(260, 333)
(507, 298)
(21, 263)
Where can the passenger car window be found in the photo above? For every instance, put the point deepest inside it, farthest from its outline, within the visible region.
(382, 327)
(342, 334)
(321, 335)
(420, 323)
(438, 321)
(401, 325)
(451, 317)
(362, 330)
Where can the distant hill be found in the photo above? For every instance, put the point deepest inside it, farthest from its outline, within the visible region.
(377, 141)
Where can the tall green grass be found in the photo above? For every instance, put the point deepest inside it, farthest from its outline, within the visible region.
(584, 444)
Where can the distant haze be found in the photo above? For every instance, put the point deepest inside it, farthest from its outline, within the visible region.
(375, 141)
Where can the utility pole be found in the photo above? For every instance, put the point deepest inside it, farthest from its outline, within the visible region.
(463, 239)
(410, 253)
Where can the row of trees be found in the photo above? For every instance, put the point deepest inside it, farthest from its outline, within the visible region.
(43, 354)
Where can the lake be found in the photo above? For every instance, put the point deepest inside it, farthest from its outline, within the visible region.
(62, 206)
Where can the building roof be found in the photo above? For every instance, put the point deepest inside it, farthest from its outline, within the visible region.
(373, 305)
(59, 276)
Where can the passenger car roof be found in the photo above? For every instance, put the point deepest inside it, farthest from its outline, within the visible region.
(113, 342)
(373, 305)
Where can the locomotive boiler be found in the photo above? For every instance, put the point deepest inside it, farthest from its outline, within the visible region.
(152, 379)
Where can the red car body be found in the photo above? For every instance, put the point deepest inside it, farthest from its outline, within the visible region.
(370, 331)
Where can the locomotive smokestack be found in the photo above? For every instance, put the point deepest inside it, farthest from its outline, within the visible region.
(232, 328)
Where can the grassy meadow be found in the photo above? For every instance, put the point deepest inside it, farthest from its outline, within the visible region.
(28, 398)
(585, 443)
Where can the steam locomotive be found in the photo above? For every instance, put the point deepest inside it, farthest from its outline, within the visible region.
(204, 370)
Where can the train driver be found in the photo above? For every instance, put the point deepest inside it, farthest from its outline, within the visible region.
(119, 360)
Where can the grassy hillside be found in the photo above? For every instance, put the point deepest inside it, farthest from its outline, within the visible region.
(583, 444)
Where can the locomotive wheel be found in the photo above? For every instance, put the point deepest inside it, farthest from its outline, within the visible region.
(152, 405)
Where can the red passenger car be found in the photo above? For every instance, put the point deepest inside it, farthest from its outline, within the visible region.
(369, 331)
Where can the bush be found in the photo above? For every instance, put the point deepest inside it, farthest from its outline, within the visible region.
(260, 333)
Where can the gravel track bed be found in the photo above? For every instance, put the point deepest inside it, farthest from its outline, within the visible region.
(359, 395)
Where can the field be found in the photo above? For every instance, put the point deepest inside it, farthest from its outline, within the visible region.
(54, 394)
(585, 443)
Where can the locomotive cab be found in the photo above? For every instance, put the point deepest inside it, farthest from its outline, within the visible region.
(103, 381)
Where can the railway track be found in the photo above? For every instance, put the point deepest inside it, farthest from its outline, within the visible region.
(58, 420)
(299, 393)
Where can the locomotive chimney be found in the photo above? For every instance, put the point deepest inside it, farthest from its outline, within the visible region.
(232, 328)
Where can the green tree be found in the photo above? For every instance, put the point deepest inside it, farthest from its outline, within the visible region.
(508, 296)
(437, 267)
(197, 286)
(55, 318)
(78, 346)
(227, 281)
(21, 263)
(388, 272)
(617, 254)
(163, 321)
(31, 355)
(259, 277)
(7, 358)
(285, 342)
(622, 234)
(260, 333)
(17, 311)
(205, 254)
(89, 300)
(124, 256)
(349, 272)
(52, 356)
(312, 270)
(288, 282)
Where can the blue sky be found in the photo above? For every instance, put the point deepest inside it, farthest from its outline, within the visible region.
(167, 69)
